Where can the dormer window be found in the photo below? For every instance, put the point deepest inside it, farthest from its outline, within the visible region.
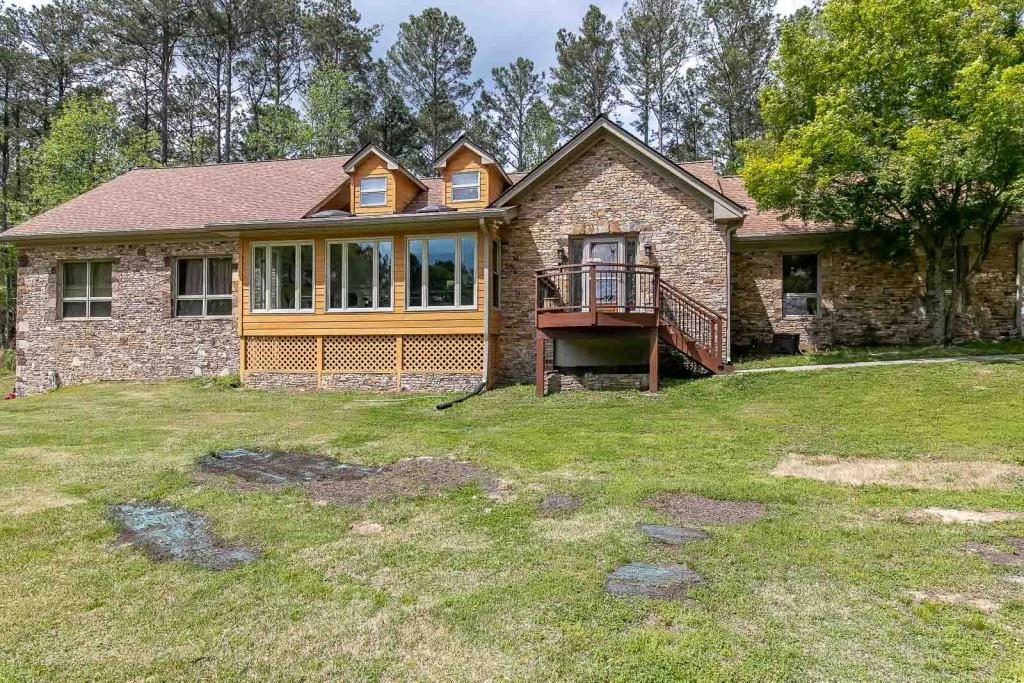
(466, 186)
(373, 191)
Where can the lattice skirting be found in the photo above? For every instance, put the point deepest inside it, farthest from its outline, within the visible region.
(434, 362)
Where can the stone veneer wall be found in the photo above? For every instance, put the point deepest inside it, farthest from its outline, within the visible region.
(595, 381)
(867, 301)
(605, 190)
(429, 382)
(141, 340)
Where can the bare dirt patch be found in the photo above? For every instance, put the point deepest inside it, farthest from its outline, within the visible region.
(672, 535)
(278, 467)
(996, 555)
(953, 475)
(174, 534)
(366, 528)
(651, 580)
(687, 508)
(26, 500)
(952, 516)
(555, 504)
(981, 604)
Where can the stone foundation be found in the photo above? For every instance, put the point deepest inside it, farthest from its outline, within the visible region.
(296, 381)
(439, 382)
(433, 382)
(556, 382)
(358, 381)
(142, 340)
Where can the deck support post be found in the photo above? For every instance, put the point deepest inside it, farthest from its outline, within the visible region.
(539, 361)
(653, 362)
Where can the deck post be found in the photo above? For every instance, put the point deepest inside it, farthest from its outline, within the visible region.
(539, 360)
(653, 362)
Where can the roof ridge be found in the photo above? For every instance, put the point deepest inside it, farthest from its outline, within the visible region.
(221, 164)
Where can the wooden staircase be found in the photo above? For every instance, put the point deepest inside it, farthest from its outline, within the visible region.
(692, 328)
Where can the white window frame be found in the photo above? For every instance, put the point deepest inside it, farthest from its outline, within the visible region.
(205, 297)
(383, 193)
(344, 275)
(463, 186)
(495, 257)
(817, 286)
(298, 276)
(88, 299)
(457, 236)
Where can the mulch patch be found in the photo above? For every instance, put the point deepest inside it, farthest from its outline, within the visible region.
(651, 580)
(555, 504)
(328, 480)
(672, 535)
(687, 508)
(174, 534)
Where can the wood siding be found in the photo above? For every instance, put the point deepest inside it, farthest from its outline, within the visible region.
(322, 322)
(400, 190)
(491, 184)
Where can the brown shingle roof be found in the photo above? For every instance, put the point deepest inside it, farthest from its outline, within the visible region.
(191, 197)
(758, 222)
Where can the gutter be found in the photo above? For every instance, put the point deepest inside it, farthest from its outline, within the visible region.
(217, 229)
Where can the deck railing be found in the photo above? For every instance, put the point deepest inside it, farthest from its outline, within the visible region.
(591, 287)
(695, 320)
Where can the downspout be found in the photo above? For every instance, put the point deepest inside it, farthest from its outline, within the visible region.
(486, 249)
(728, 292)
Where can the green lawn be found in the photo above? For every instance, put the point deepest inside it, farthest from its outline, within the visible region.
(463, 588)
(874, 353)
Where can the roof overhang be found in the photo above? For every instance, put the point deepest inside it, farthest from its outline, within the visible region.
(725, 209)
(390, 162)
(486, 157)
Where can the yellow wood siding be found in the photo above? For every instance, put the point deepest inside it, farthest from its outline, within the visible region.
(400, 190)
(321, 322)
(465, 160)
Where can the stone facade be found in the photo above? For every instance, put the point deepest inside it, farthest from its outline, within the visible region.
(605, 190)
(296, 381)
(142, 340)
(864, 301)
(425, 382)
(595, 381)
(357, 381)
(439, 382)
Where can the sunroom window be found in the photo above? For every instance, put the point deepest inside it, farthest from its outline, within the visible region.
(202, 287)
(466, 186)
(373, 191)
(282, 277)
(441, 272)
(360, 274)
(86, 290)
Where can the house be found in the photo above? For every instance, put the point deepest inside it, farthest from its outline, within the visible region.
(354, 273)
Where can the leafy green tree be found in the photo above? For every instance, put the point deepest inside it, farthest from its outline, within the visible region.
(656, 38)
(904, 122)
(541, 135)
(85, 148)
(501, 115)
(432, 59)
(281, 134)
(585, 82)
(330, 121)
(737, 43)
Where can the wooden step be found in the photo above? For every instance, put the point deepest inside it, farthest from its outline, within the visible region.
(675, 338)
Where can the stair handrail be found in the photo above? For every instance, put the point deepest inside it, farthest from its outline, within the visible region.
(714, 338)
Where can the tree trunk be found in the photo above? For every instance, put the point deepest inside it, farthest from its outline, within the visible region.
(938, 303)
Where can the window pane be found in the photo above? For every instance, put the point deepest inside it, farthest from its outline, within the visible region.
(74, 309)
(259, 281)
(360, 274)
(190, 277)
(99, 309)
(495, 273)
(468, 282)
(373, 191)
(335, 254)
(185, 307)
(75, 278)
(384, 260)
(282, 277)
(465, 194)
(307, 276)
(414, 278)
(374, 184)
(218, 307)
(800, 274)
(799, 304)
(441, 272)
(466, 178)
(101, 271)
(219, 281)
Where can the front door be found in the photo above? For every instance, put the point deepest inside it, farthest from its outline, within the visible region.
(609, 280)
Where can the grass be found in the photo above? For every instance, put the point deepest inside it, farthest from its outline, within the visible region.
(463, 588)
(858, 354)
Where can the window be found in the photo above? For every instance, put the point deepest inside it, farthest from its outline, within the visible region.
(282, 277)
(496, 274)
(442, 272)
(373, 191)
(800, 284)
(202, 287)
(360, 273)
(466, 186)
(86, 289)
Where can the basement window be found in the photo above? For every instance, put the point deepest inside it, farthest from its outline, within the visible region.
(800, 285)
(86, 290)
(466, 186)
(373, 191)
(202, 287)
(282, 277)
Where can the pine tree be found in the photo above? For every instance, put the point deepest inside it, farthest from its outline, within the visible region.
(541, 135)
(687, 121)
(585, 83)
(388, 122)
(500, 115)
(432, 60)
(61, 35)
